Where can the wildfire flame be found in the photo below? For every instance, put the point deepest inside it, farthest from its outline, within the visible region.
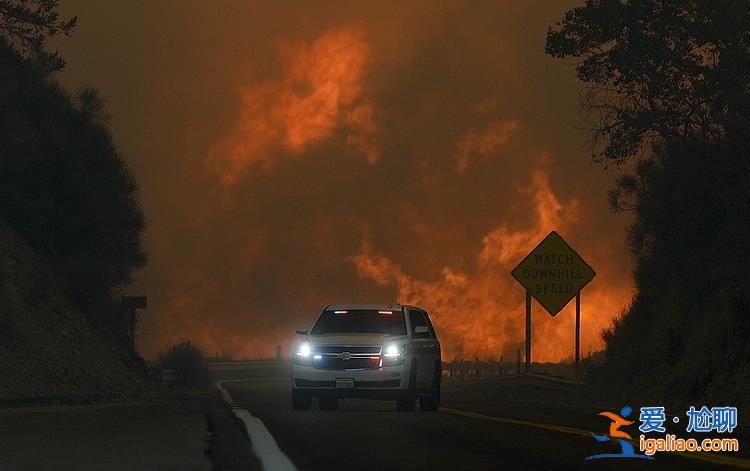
(482, 313)
(318, 92)
(482, 144)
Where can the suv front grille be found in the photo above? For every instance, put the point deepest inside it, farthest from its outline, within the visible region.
(354, 357)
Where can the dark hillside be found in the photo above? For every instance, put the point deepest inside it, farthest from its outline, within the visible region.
(47, 348)
(66, 190)
(71, 229)
(685, 335)
(668, 89)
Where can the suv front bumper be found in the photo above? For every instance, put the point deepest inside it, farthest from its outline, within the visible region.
(388, 382)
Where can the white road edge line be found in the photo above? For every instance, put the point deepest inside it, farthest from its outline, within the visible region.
(263, 443)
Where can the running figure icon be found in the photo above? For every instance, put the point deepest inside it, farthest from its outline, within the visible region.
(626, 448)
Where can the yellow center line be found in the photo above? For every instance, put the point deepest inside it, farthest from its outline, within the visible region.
(506, 420)
(695, 455)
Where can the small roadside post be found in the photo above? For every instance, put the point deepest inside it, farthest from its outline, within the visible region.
(131, 303)
(553, 273)
(518, 361)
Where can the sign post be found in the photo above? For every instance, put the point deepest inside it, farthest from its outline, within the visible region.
(131, 303)
(528, 330)
(553, 273)
(578, 331)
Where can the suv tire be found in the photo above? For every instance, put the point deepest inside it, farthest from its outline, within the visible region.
(406, 402)
(431, 403)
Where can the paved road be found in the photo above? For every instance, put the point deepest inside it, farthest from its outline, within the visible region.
(365, 435)
(162, 436)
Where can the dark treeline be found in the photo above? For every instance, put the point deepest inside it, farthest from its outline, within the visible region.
(668, 94)
(63, 184)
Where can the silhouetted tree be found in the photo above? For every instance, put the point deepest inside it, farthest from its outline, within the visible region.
(670, 81)
(689, 320)
(28, 24)
(658, 70)
(90, 102)
(65, 187)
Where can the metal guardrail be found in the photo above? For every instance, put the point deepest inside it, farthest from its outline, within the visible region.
(455, 371)
(461, 371)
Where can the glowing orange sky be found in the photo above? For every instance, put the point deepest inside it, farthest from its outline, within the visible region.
(480, 313)
(317, 92)
(293, 155)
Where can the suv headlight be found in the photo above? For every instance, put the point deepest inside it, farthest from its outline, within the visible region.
(394, 354)
(303, 353)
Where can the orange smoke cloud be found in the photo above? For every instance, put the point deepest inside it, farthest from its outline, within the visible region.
(481, 144)
(318, 93)
(188, 315)
(482, 313)
(361, 120)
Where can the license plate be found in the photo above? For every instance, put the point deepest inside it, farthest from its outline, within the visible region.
(344, 383)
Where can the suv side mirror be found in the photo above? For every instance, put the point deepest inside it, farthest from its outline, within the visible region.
(421, 329)
(302, 330)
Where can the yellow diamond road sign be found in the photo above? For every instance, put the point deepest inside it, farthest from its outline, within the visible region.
(553, 273)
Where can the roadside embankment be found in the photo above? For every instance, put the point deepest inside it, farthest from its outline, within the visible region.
(48, 350)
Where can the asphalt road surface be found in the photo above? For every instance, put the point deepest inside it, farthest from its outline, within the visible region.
(364, 435)
(163, 435)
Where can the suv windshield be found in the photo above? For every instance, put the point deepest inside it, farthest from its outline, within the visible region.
(360, 321)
